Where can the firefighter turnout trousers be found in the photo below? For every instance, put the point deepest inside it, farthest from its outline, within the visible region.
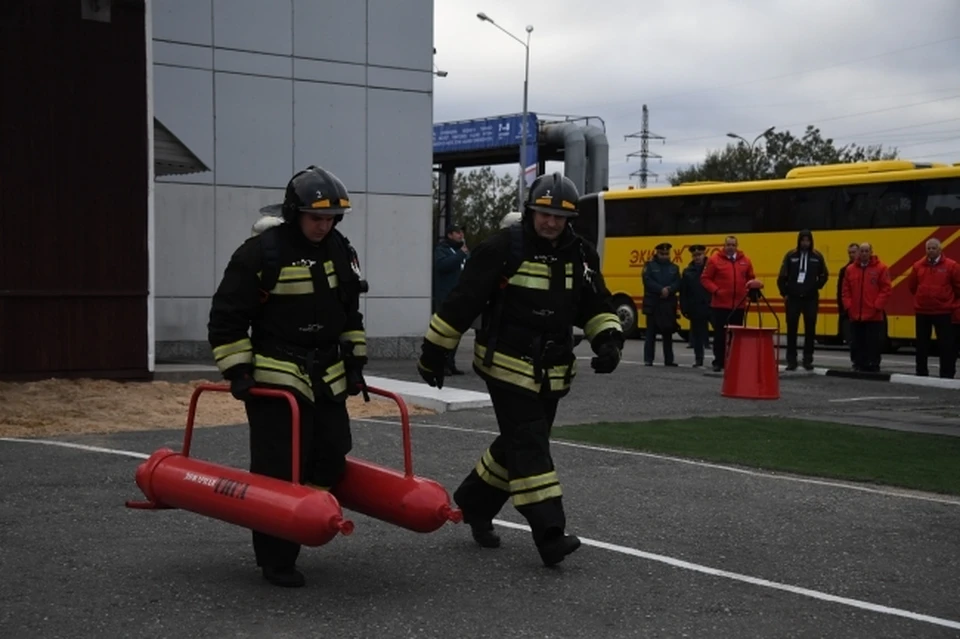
(325, 441)
(517, 465)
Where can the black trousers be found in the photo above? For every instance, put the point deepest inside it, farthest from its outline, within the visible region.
(941, 323)
(517, 464)
(807, 308)
(699, 336)
(865, 345)
(325, 441)
(650, 342)
(719, 319)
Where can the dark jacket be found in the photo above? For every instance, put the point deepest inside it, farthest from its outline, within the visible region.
(448, 259)
(551, 291)
(694, 299)
(840, 309)
(656, 276)
(291, 336)
(811, 263)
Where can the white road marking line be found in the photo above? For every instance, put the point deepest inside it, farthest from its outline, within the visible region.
(692, 462)
(870, 399)
(756, 581)
(95, 449)
(633, 552)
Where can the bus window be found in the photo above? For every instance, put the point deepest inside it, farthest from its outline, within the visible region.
(625, 218)
(732, 213)
(585, 224)
(938, 203)
(875, 206)
(689, 215)
(799, 209)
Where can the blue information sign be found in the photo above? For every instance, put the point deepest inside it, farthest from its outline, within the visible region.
(488, 133)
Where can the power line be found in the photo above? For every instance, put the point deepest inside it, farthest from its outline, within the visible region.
(787, 75)
(830, 119)
(714, 107)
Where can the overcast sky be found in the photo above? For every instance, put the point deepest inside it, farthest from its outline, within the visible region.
(864, 71)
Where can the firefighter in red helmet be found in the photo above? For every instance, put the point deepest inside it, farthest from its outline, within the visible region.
(532, 282)
(297, 285)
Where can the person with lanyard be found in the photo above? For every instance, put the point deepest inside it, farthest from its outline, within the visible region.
(802, 274)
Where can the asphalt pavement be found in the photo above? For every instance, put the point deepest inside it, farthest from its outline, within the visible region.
(674, 548)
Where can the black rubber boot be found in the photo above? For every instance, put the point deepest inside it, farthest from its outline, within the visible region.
(483, 534)
(555, 549)
(288, 577)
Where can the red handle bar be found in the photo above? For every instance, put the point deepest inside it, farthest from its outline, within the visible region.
(295, 421)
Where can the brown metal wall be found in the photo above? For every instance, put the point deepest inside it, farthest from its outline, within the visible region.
(73, 191)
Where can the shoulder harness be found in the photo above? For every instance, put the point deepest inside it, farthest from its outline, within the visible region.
(270, 273)
(511, 264)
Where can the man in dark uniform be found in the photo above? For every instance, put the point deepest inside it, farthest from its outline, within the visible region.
(533, 282)
(695, 303)
(298, 285)
(661, 281)
(448, 258)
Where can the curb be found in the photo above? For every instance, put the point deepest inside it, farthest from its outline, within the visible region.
(442, 400)
(894, 378)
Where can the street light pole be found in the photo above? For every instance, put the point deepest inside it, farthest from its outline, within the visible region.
(750, 146)
(523, 124)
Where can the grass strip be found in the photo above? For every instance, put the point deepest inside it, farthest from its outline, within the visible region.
(875, 455)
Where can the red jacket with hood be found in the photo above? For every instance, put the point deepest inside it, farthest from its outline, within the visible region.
(935, 287)
(726, 279)
(866, 290)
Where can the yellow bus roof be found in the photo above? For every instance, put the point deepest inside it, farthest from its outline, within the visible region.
(804, 177)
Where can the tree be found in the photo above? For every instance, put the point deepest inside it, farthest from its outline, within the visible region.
(481, 198)
(780, 152)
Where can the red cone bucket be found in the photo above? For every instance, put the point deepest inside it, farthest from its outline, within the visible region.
(752, 370)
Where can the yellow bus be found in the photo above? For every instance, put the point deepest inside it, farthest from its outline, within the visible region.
(896, 205)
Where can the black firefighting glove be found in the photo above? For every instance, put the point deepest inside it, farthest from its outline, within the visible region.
(607, 346)
(241, 381)
(354, 366)
(431, 364)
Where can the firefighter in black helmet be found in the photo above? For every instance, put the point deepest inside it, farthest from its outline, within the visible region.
(540, 279)
(298, 286)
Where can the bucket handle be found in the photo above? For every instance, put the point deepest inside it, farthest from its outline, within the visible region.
(750, 302)
(259, 392)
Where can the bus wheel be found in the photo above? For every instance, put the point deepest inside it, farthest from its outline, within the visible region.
(627, 313)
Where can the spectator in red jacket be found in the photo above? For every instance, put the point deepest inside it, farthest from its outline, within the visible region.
(866, 290)
(934, 283)
(725, 278)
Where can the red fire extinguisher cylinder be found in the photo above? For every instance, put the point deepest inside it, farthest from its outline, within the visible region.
(280, 508)
(411, 502)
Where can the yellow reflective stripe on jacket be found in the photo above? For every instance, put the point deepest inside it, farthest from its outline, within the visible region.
(493, 473)
(336, 378)
(442, 334)
(268, 370)
(599, 323)
(330, 270)
(520, 373)
(294, 280)
(568, 272)
(531, 275)
(229, 355)
(359, 341)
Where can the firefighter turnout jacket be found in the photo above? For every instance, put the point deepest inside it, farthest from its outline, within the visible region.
(305, 328)
(530, 294)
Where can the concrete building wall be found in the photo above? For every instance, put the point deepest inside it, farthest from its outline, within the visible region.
(259, 89)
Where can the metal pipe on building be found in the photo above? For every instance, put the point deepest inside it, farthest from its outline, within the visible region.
(598, 160)
(571, 138)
